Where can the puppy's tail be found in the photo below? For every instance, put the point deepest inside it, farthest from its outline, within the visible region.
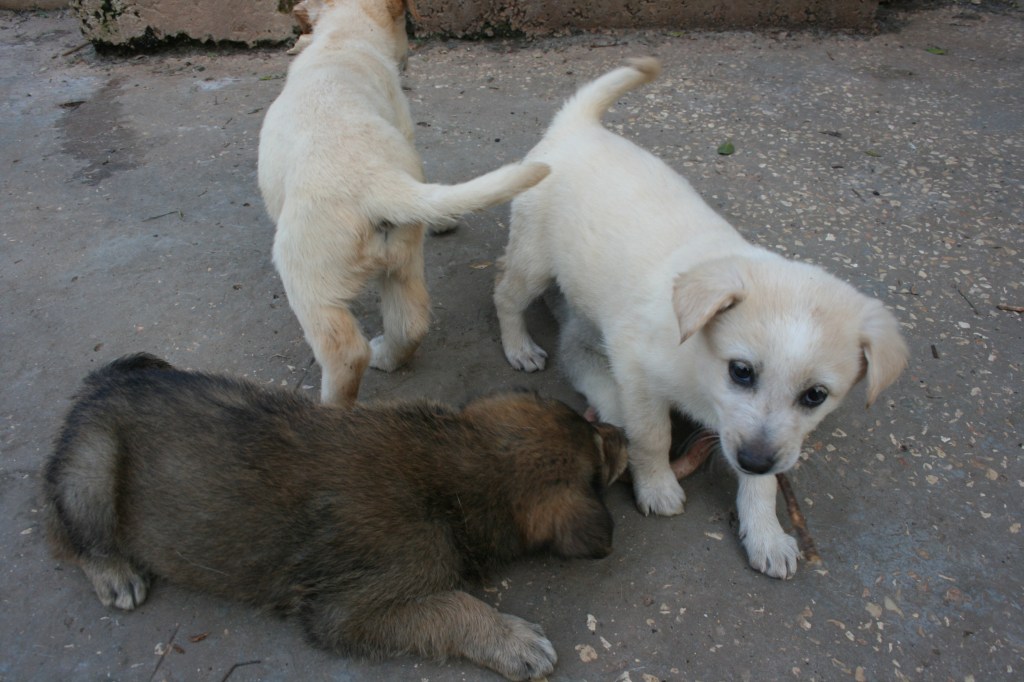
(80, 478)
(593, 99)
(440, 204)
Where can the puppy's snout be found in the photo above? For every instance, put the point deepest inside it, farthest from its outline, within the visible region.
(756, 458)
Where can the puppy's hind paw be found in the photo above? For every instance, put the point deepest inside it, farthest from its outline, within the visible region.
(528, 357)
(662, 495)
(525, 653)
(117, 583)
(383, 355)
(774, 554)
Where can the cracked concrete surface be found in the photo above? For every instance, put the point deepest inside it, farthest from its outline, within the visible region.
(132, 222)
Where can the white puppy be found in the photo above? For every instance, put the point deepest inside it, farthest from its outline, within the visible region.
(668, 306)
(341, 178)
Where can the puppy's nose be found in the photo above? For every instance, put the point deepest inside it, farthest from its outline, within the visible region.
(756, 458)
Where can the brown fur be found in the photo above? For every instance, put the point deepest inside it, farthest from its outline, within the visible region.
(364, 523)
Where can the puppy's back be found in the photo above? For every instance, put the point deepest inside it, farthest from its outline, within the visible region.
(197, 477)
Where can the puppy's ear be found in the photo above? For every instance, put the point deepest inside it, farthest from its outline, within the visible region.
(306, 13)
(885, 352)
(611, 443)
(398, 8)
(703, 292)
(410, 7)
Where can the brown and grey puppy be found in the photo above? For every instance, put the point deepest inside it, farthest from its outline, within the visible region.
(341, 178)
(364, 523)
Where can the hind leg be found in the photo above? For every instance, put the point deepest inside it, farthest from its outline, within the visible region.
(438, 626)
(588, 368)
(341, 350)
(516, 286)
(405, 303)
(116, 581)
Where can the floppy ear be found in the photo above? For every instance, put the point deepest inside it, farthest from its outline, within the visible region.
(703, 292)
(306, 13)
(611, 443)
(397, 8)
(410, 7)
(885, 353)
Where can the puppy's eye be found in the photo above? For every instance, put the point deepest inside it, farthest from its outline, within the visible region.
(814, 396)
(742, 373)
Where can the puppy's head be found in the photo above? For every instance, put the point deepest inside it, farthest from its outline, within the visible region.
(779, 345)
(365, 19)
(559, 468)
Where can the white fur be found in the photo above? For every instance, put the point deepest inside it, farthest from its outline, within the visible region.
(662, 294)
(342, 180)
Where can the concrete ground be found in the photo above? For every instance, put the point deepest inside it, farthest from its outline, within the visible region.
(132, 221)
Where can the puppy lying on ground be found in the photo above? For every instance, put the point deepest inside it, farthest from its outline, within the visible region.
(363, 522)
(342, 180)
(668, 306)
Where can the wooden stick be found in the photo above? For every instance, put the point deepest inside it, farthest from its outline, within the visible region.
(796, 517)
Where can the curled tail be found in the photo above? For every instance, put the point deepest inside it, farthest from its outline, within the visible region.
(593, 99)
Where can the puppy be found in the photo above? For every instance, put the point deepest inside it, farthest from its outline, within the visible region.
(364, 522)
(668, 306)
(342, 180)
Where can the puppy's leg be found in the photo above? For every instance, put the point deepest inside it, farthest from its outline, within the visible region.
(516, 286)
(769, 549)
(116, 581)
(587, 366)
(438, 626)
(649, 428)
(340, 348)
(405, 308)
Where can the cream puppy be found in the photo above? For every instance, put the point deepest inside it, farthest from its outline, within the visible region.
(668, 306)
(342, 180)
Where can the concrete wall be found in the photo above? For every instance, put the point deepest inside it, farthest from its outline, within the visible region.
(32, 4)
(145, 23)
(533, 17)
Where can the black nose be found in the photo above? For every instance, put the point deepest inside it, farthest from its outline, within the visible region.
(756, 459)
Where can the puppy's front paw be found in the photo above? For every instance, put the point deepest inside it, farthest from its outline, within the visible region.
(527, 357)
(773, 553)
(661, 494)
(525, 653)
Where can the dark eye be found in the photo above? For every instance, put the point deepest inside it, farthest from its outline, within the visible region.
(742, 373)
(814, 396)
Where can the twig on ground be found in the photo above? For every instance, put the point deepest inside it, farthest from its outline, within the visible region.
(796, 517)
(236, 666)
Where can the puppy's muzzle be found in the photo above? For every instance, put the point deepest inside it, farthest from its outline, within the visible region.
(756, 458)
